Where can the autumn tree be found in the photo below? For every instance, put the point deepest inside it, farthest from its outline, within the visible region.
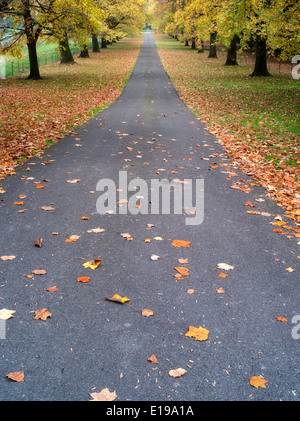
(25, 22)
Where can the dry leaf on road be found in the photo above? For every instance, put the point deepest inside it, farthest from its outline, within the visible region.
(178, 372)
(16, 376)
(258, 381)
(42, 314)
(200, 333)
(104, 395)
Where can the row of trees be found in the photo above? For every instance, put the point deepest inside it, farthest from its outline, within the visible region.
(267, 26)
(27, 22)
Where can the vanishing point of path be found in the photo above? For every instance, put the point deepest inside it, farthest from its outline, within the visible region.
(89, 343)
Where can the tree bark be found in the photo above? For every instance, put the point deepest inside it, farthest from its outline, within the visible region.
(231, 52)
(96, 46)
(193, 47)
(260, 68)
(33, 61)
(186, 44)
(201, 47)
(85, 52)
(212, 45)
(103, 43)
(66, 56)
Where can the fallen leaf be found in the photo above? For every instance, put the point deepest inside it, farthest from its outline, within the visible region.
(72, 239)
(6, 314)
(178, 372)
(18, 203)
(147, 240)
(83, 279)
(190, 291)
(258, 381)
(154, 257)
(47, 208)
(76, 180)
(146, 312)
(52, 289)
(38, 242)
(281, 319)
(118, 299)
(96, 230)
(200, 333)
(39, 272)
(220, 290)
(183, 261)
(42, 314)
(181, 243)
(183, 271)
(16, 376)
(93, 264)
(290, 269)
(223, 275)
(153, 359)
(104, 396)
(4, 258)
(224, 266)
(85, 218)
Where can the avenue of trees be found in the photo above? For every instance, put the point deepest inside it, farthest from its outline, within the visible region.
(23, 23)
(266, 26)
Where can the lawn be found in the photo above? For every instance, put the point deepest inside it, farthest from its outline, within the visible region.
(35, 114)
(256, 119)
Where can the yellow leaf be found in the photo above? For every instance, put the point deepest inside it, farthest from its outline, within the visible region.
(200, 333)
(93, 264)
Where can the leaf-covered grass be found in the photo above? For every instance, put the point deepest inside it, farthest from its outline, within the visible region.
(256, 119)
(35, 114)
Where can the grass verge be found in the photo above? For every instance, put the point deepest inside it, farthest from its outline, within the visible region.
(36, 114)
(256, 119)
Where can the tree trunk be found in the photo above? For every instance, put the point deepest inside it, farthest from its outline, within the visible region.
(212, 45)
(85, 52)
(103, 43)
(193, 47)
(186, 44)
(260, 68)
(201, 47)
(66, 56)
(33, 61)
(231, 52)
(96, 46)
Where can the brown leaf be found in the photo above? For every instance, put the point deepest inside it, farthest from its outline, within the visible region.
(42, 314)
(153, 359)
(52, 289)
(200, 333)
(281, 319)
(47, 208)
(38, 242)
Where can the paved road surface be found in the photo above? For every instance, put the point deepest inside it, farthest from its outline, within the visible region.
(90, 343)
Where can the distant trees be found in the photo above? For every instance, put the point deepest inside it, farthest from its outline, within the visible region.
(270, 26)
(24, 23)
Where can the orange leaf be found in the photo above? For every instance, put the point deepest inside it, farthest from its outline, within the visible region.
(16, 376)
(181, 243)
(183, 271)
(83, 279)
(258, 381)
(281, 319)
(153, 359)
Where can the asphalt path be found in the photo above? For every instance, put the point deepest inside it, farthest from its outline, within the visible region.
(90, 343)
